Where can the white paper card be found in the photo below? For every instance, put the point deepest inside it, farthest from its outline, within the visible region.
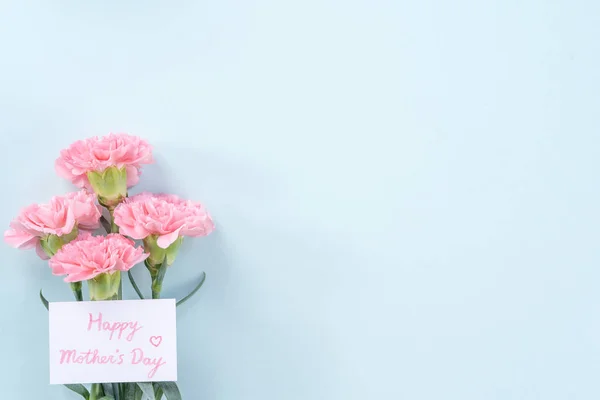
(113, 341)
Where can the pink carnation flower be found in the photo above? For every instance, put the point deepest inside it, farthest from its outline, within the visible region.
(99, 153)
(59, 217)
(89, 256)
(166, 216)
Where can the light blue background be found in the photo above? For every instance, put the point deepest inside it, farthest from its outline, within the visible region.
(406, 192)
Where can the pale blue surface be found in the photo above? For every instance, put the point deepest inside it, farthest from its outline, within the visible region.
(406, 193)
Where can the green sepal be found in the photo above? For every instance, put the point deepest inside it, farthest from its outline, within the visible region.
(110, 185)
(51, 243)
(105, 286)
(158, 255)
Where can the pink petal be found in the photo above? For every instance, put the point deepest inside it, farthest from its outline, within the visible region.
(20, 239)
(40, 251)
(165, 241)
(69, 222)
(81, 276)
(133, 175)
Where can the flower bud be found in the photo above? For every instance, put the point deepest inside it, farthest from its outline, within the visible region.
(110, 185)
(105, 286)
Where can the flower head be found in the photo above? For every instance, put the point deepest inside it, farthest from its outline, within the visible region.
(107, 164)
(89, 256)
(162, 220)
(48, 226)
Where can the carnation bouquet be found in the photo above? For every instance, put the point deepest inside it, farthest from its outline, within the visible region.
(93, 235)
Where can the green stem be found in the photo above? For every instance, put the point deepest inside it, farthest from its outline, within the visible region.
(157, 273)
(113, 227)
(96, 391)
(98, 291)
(118, 387)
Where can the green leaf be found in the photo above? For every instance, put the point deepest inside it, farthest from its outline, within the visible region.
(115, 389)
(193, 292)
(158, 392)
(171, 390)
(138, 393)
(129, 391)
(158, 275)
(79, 389)
(147, 389)
(162, 270)
(45, 303)
(96, 391)
(108, 389)
(106, 398)
(135, 286)
(76, 288)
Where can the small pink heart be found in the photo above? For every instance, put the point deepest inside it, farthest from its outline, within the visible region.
(155, 340)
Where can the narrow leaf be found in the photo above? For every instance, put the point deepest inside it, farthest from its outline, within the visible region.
(115, 389)
(193, 292)
(162, 270)
(96, 391)
(158, 392)
(79, 389)
(129, 391)
(147, 389)
(171, 390)
(135, 286)
(45, 303)
(106, 398)
(108, 389)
